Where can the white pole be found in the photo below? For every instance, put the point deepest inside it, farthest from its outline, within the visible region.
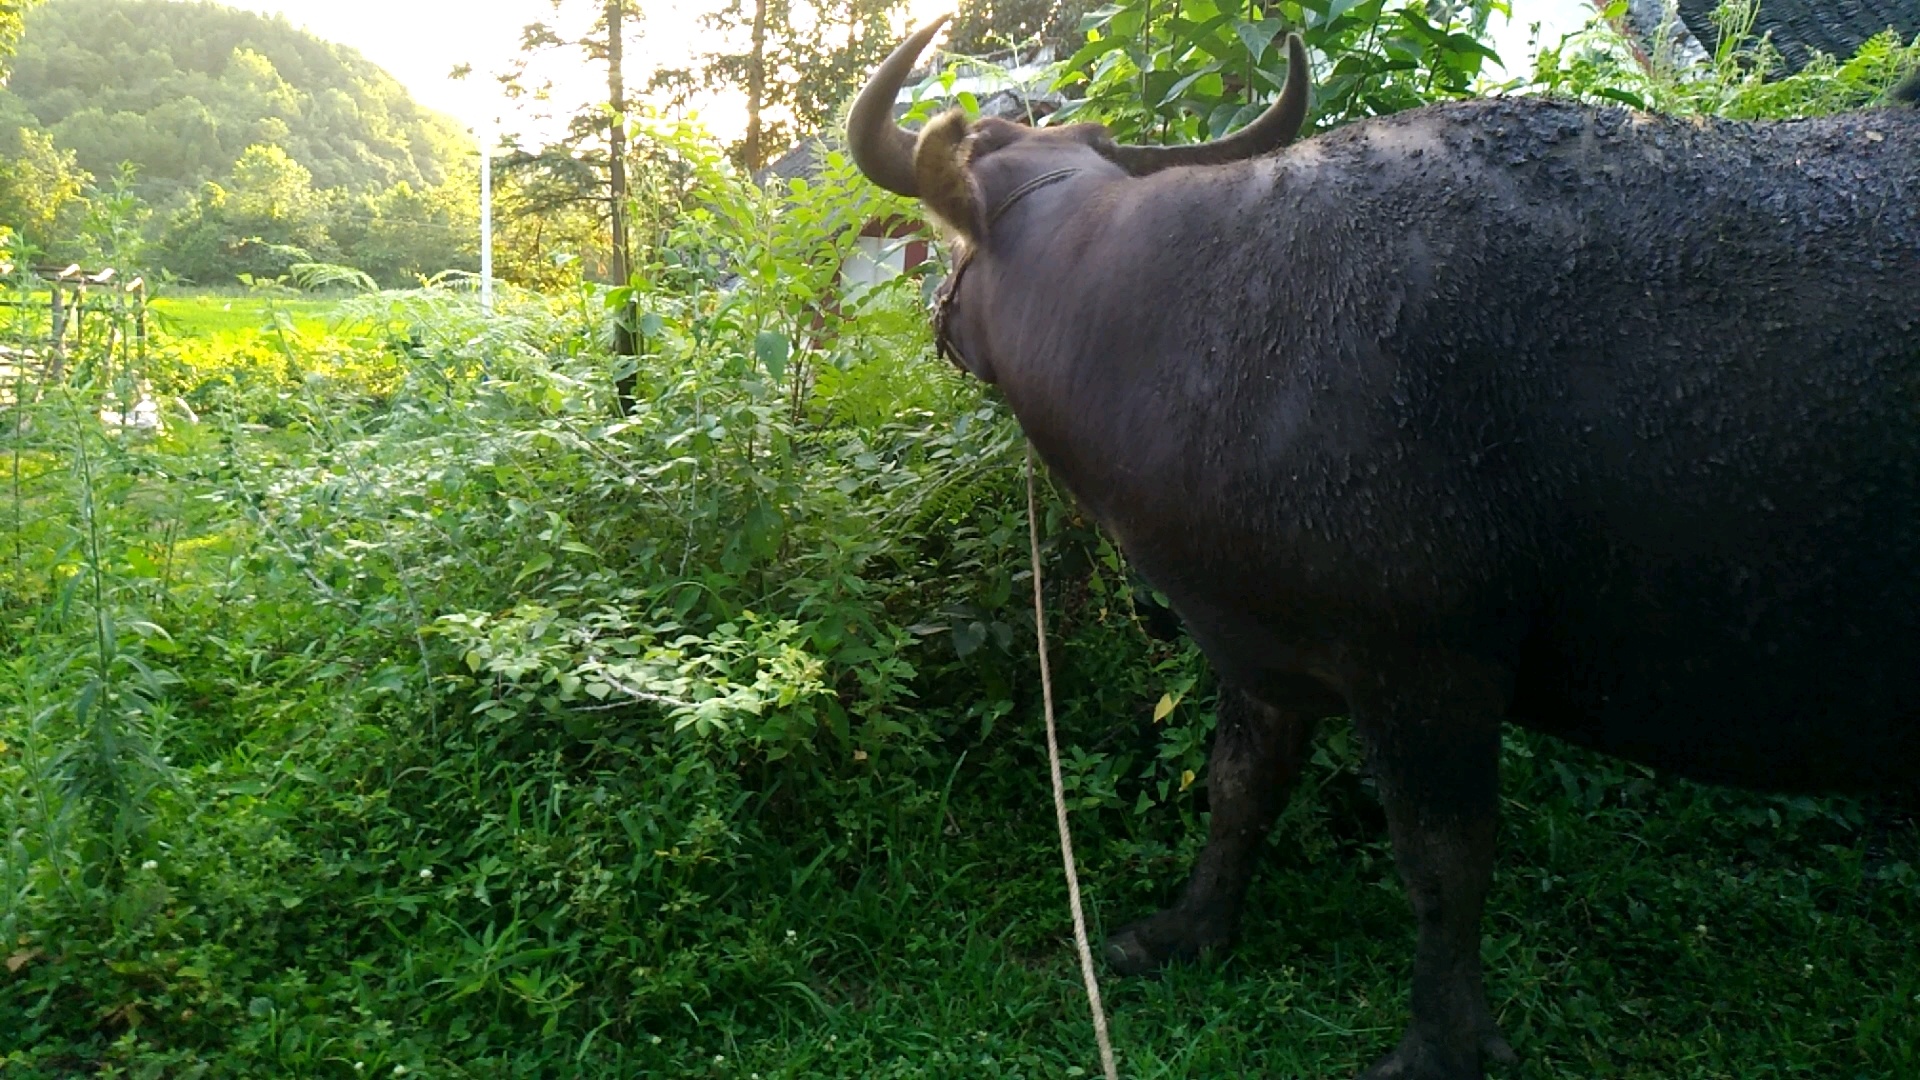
(486, 216)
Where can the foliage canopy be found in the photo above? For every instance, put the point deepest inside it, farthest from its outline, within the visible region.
(182, 89)
(41, 188)
(258, 145)
(12, 14)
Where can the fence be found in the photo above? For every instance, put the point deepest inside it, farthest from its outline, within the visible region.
(89, 316)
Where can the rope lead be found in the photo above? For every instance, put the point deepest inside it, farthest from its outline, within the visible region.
(1060, 793)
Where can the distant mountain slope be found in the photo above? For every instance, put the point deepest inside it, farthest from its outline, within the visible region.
(182, 89)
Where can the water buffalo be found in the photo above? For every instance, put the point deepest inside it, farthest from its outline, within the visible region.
(1597, 422)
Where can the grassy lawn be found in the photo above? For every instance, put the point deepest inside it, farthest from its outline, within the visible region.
(214, 323)
(235, 319)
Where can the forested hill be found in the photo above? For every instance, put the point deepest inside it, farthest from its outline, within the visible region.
(182, 89)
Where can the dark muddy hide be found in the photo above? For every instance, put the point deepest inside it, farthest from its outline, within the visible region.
(1504, 411)
(1908, 92)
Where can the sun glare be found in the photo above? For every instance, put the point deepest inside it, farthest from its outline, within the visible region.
(922, 12)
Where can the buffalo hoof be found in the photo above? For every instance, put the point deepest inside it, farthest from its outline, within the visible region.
(1158, 940)
(1419, 1057)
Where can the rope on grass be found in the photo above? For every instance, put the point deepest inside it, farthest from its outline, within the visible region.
(1059, 792)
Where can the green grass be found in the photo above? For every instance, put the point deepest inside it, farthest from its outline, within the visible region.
(950, 958)
(212, 317)
(235, 319)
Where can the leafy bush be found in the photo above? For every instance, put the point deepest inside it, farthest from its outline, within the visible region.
(1198, 69)
(415, 668)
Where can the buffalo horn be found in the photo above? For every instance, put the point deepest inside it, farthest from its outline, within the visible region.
(1274, 129)
(882, 149)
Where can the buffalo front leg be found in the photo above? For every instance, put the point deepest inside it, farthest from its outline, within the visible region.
(1433, 734)
(1256, 758)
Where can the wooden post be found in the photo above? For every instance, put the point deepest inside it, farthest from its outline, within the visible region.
(57, 349)
(140, 315)
(80, 317)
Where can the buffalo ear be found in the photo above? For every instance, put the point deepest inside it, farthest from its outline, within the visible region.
(940, 167)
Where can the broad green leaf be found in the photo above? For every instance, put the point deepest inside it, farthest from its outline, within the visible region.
(539, 562)
(968, 637)
(772, 348)
(1178, 88)
(1624, 97)
(1257, 37)
(765, 529)
(1099, 17)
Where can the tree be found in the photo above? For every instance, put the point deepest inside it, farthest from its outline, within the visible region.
(41, 188)
(270, 186)
(590, 164)
(615, 22)
(990, 26)
(802, 59)
(12, 19)
(404, 234)
(263, 220)
(579, 167)
(542, 249)
(182, 89)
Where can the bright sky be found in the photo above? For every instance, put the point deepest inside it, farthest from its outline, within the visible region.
(1556, 19)
(420, 41)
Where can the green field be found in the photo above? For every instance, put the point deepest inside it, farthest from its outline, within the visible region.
(231, 320)
(211, 320)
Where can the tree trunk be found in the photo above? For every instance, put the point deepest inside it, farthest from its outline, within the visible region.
(624, 344)
(756, 86)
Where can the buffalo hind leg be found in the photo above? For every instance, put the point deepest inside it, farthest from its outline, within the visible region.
(1433, 734)
(1256, 757)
